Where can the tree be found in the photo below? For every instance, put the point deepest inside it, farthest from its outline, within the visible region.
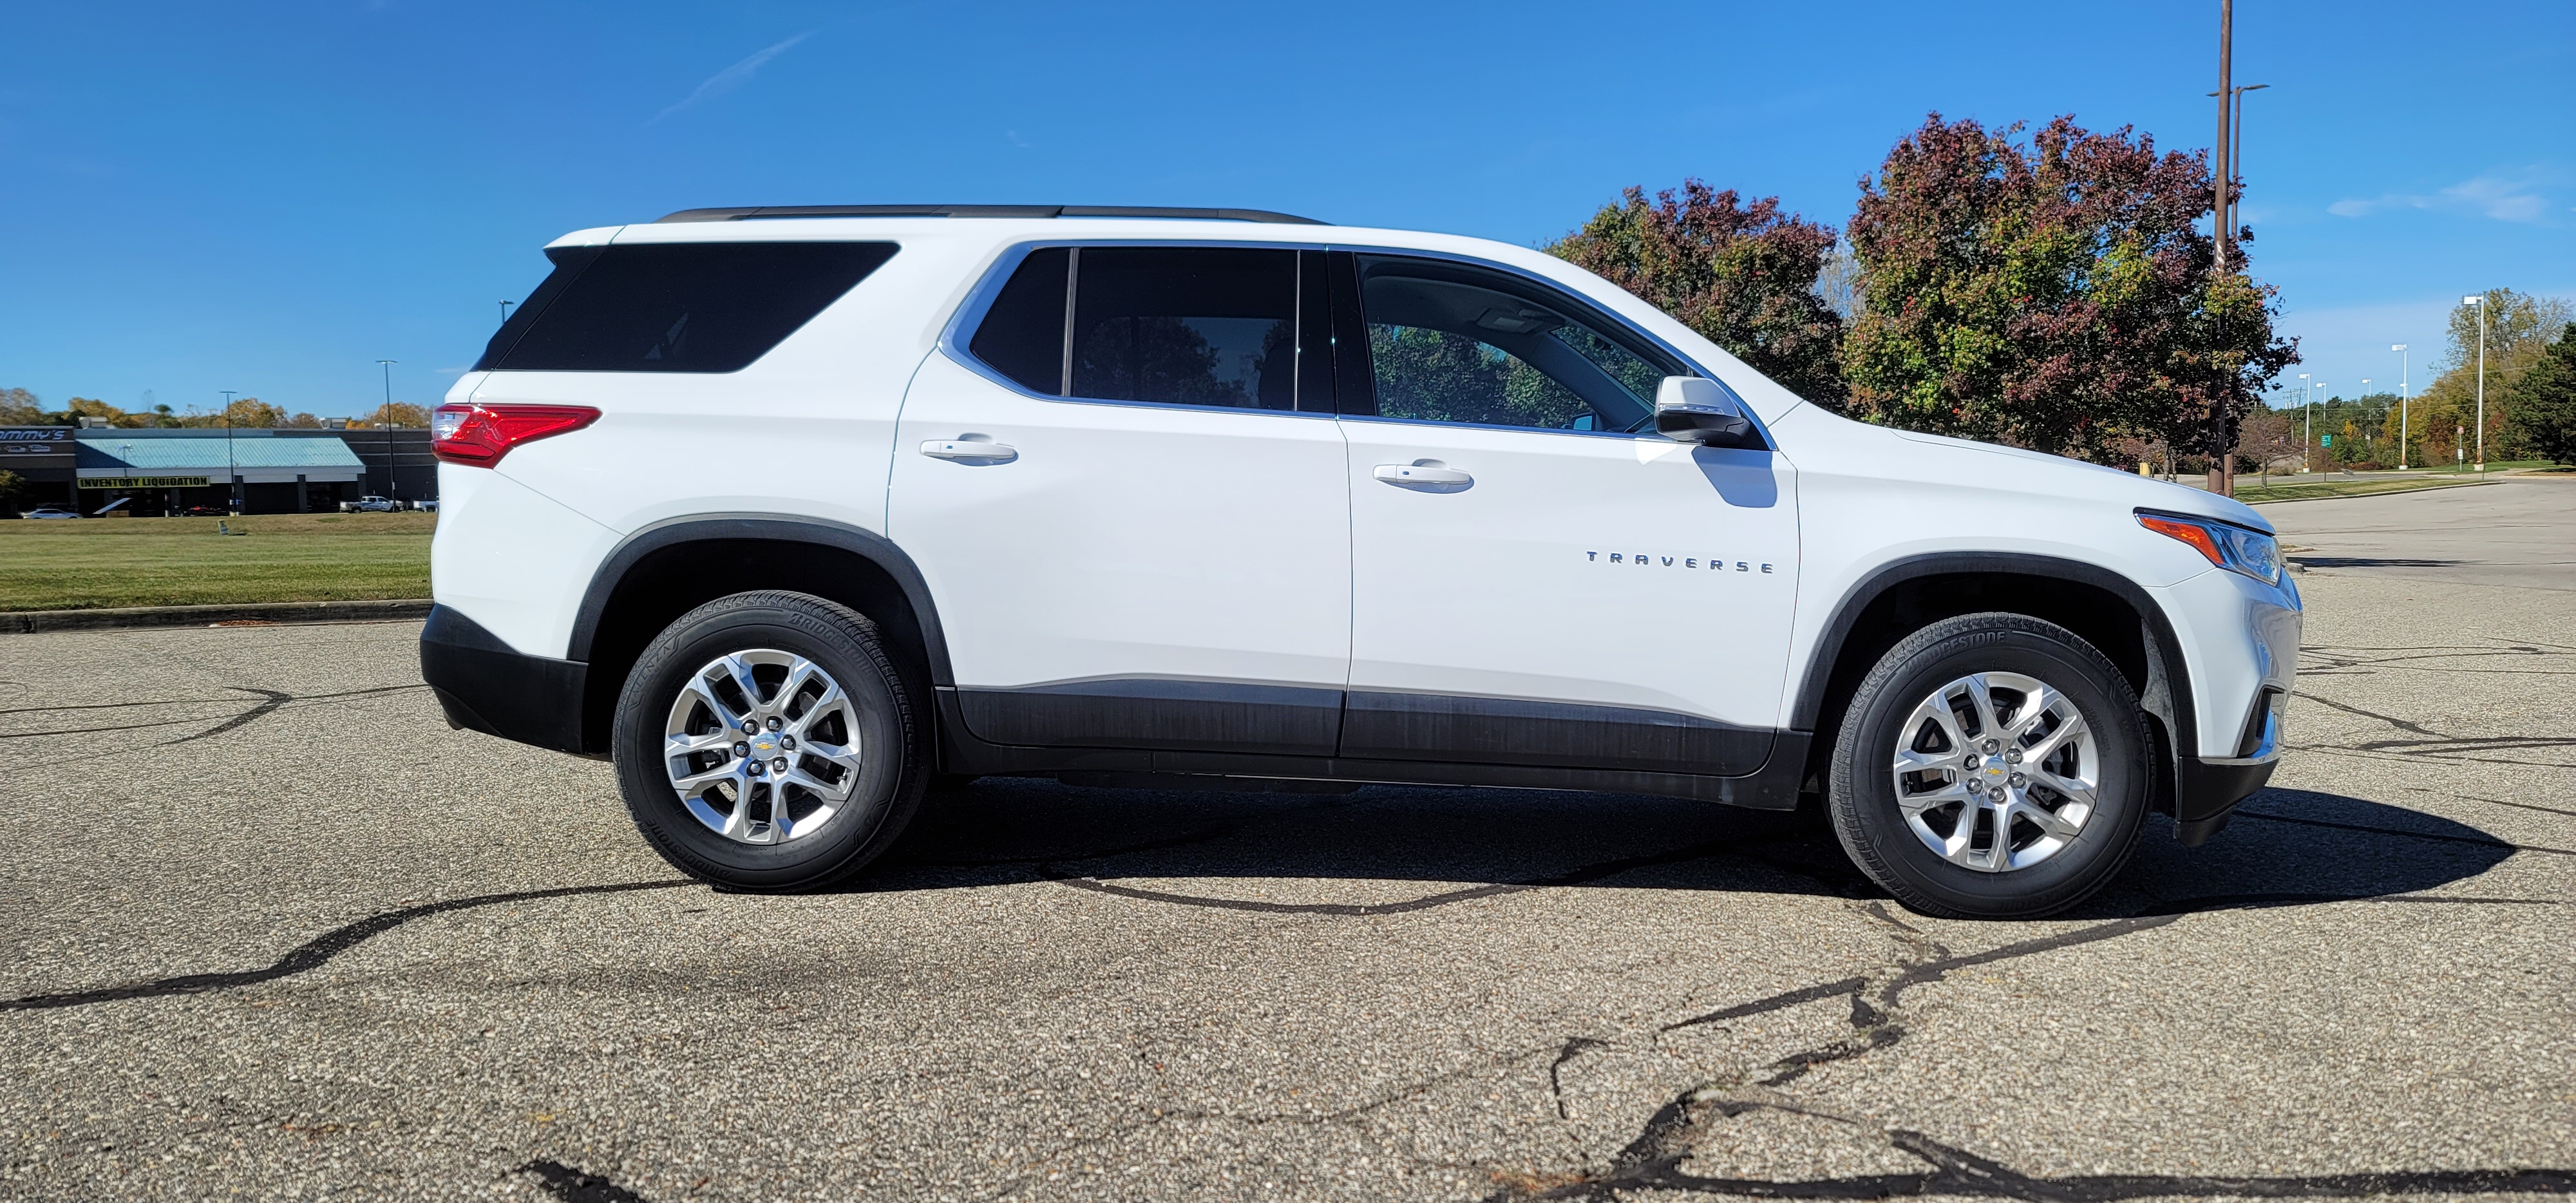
(10, 483)
(18, 407)
(1742, 276)
(404, 415)
(244, 413)
(2519, 327)
(2054, 295)
(2267, 436)
(2543, 405)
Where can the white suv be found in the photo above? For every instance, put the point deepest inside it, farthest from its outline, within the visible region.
(793, 512)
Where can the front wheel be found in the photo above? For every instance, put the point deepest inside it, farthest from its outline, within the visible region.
(765, 742)
(1991, 766)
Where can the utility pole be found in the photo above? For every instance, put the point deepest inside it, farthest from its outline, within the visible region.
(2219, 399)
(388, 366)
(2479, 303)
(2405, 376)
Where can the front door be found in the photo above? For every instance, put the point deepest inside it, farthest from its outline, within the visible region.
(1132, 518)
(1533, 583)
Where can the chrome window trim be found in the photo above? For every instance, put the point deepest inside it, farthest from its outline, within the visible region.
(979, 301)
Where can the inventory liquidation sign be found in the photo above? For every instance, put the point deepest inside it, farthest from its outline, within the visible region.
(144, 482)
(36, 446)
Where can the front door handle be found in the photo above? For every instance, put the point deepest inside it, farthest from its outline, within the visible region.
(1430, 476)
(982, 451)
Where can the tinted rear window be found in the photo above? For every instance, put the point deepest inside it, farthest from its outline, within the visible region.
(678, 307)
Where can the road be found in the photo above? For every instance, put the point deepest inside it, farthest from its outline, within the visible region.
(275, 931)
(2514, 532)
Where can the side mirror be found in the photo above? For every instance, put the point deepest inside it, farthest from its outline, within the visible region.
(1690, 409)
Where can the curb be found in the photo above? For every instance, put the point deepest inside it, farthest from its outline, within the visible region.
(2454, 484)
(32, 622)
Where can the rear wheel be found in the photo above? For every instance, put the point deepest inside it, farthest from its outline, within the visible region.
(765, 742)
(1991, 765)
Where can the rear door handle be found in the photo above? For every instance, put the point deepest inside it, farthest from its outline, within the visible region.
(970, 450)
(1431, 477)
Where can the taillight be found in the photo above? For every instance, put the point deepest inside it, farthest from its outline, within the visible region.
(479, 435)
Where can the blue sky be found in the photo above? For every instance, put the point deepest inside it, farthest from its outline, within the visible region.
(271, 199)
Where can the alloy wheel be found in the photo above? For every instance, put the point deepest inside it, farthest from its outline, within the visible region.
(762, 747)
(1996, 771)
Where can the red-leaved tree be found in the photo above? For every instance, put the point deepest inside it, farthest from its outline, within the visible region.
(2056, 295)
(1743, 276)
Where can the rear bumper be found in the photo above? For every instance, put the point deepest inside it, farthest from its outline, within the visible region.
(485, 685)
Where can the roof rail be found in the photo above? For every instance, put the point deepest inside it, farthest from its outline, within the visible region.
(1024, 211)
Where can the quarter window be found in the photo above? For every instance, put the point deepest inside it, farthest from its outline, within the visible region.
(1453, 343)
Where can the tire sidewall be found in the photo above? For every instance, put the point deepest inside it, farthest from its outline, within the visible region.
(1873, 826)
(803, 627)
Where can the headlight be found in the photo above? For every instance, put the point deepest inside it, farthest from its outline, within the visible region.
(2233, 548)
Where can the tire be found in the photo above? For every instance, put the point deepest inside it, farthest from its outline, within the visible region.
(724, 829)
(2030, 849)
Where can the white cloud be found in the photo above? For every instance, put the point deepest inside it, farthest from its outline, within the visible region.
(734, 76)
(2501, 195)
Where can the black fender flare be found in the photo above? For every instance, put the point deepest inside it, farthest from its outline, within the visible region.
(2167, 693)
(768, 528)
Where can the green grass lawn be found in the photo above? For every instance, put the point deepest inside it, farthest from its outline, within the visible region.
(2249, 489)
(183, 562)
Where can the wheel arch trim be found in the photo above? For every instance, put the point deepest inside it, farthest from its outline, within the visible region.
(2164, 653)
(768, 528)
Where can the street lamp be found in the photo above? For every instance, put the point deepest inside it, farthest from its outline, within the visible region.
(2404, 374)
(2307, 411)
(2479, 303)
(388, 366)
(232, 475)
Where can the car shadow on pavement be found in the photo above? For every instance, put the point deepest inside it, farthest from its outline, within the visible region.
(1386, 849)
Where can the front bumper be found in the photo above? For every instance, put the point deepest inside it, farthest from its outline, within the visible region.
(486, 685)
(2207, 789)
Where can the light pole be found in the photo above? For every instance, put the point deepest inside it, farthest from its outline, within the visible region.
(388, 366)
(505, 311)
(2311, 412)
(2405, 374)
(2479, 304)
(232, 475)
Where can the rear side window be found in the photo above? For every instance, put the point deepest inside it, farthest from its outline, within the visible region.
(1216, 326)
(1023, 334)
(677, 307)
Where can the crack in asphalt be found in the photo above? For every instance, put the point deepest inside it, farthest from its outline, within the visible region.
(1579, 876)
(1652, 1160)
(1657, 1161)
(574, 1186)
(271, 700)
(2477, 841)
(313, 953)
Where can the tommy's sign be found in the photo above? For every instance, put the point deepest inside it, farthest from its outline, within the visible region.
(25, 444)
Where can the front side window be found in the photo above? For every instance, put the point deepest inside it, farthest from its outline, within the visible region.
(1216, 326)
(676, 307)
(1453, 343)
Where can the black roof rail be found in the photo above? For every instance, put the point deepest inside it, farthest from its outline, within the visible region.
(1024, 211)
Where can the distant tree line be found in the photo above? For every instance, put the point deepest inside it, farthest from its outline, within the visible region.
(2053, 292)
(18, 407)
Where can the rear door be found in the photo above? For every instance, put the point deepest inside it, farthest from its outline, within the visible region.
(1124, 486)
(1533, 583)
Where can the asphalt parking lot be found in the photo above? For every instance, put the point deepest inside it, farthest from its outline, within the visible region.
(275, 931)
